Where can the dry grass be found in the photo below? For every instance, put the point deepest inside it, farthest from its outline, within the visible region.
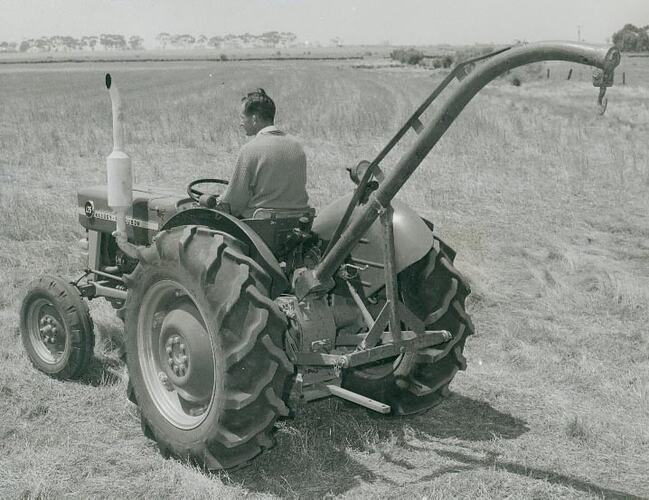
(545, 202)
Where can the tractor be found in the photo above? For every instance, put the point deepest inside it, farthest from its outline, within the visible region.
(232, 323)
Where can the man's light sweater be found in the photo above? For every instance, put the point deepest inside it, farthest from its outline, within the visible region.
(270, 173)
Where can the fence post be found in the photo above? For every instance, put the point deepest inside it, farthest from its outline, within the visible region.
(569, 73)
(548, 74)
(623, 78)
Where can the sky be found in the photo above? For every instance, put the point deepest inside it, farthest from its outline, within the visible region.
(400, 22)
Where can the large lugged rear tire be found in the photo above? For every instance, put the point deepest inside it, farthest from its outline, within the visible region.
(56, 328)
(203, 348)
(436, 292)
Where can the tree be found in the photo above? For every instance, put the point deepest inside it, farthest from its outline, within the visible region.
(201, 40)
(407, 56)
(287, 38)
(270, 38)
(25, 45)
(163, 39)
(215, 42)
(117, 42)
(187, 41)
(43, 44)
(135, 42)
(632, 38)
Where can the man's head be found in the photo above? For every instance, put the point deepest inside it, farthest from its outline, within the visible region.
(257, 112)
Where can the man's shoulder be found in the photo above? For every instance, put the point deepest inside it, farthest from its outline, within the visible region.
(264, 140)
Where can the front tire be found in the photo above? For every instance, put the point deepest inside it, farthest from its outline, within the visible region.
(203, 348)
(56, 328)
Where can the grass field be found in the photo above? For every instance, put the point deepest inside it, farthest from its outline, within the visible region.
(545, 202)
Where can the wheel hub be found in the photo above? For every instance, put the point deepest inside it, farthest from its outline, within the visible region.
(51, 331)
(186, 354)
(175, 354)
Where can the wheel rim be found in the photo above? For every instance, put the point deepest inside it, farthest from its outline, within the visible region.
(48, 334)
(175, 354)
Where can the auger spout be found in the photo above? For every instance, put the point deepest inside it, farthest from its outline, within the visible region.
(604, 58)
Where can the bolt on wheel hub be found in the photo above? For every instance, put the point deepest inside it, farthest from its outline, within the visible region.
(177, 356)
(50, 329)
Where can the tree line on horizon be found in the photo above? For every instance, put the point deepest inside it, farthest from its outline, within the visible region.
(58, 43)
(630, 38)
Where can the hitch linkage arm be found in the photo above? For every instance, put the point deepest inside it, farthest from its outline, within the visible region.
(604, 58)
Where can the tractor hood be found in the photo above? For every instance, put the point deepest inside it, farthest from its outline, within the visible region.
(151, 208)
(412, 238)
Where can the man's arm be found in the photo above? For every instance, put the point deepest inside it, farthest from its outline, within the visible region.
(239, 193)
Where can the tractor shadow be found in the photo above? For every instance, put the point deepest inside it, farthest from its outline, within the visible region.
(334, 446)
(315, 452)
(468, 462)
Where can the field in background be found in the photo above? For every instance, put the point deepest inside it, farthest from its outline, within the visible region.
(545, 202)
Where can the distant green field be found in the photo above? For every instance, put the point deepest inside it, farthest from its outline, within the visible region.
(544, 200)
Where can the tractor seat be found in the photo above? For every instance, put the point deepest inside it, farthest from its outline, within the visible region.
(275, 226)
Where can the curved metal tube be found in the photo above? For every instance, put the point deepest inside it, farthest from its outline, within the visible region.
(118, 120)
(604, 58)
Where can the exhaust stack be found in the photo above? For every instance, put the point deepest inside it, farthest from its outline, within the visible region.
(118, 164)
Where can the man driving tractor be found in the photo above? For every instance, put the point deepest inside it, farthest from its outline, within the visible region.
(271, 169)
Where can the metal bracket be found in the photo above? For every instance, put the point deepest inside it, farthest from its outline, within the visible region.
(391, 285)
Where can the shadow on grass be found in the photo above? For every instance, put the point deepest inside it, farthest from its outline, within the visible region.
(314, 456)
(471, 462)
(466, 419)
(334, 446)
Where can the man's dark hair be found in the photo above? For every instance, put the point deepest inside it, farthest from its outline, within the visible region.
(260, 103)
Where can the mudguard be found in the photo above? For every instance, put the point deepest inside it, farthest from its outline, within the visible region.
(220, 221)
(412, 237)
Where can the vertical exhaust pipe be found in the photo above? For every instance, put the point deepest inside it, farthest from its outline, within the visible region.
(119, 173)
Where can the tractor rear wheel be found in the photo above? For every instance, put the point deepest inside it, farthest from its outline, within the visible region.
(203, 348)
(56, 328)
(435, 291)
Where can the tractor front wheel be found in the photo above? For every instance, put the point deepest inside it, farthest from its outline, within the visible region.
(203, 348)
(56, 328)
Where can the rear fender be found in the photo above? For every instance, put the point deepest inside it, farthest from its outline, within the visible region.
(220, 221)
(450, 252)
(412, 238)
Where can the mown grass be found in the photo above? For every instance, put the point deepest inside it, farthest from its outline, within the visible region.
(544, 200)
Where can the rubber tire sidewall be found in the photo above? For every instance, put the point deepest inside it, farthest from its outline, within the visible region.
(75, 315)
(184, 442)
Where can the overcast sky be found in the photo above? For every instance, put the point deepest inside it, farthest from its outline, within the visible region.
(355, 21)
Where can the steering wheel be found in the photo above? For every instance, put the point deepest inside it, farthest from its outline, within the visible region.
(198, 195)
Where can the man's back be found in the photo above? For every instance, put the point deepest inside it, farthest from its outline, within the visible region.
(270, 173)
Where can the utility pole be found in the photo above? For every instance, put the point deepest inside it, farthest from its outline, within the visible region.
(579, 32)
